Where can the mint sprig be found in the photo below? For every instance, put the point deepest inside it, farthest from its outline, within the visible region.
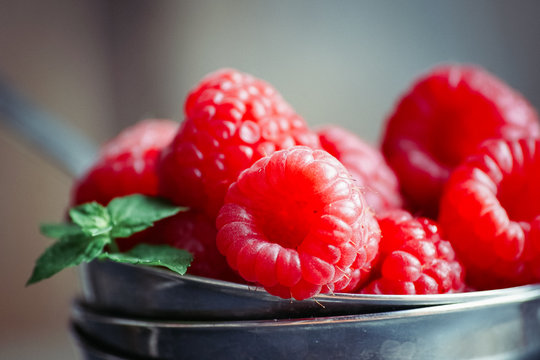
(93, 231)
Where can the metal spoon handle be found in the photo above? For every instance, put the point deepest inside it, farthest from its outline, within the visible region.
(68, 147)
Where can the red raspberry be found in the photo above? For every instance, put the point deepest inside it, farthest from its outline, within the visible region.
(294, 222)
(366, 165)
(192, 231)
(231, 120)
(443, 118)
(360, 271)
(413, 259)
(490, 211)
(126, 164)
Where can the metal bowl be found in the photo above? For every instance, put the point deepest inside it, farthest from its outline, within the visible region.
(500, 327)
(90, 350)
(155, 293)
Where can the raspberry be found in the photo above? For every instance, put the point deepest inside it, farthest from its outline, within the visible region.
(360, 271)
(366, 165)
(490, 211)
(443, 118)
(126, 164)
(413, 258)
(231, 120)
(294, 222)
(192, 231)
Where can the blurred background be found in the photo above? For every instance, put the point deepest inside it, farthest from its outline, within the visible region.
(101, 65)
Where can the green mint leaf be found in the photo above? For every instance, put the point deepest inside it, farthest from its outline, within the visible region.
(96, 227)
(68, 251)
(57, 231)
(93, 218)
(172, 258)
(134, 213)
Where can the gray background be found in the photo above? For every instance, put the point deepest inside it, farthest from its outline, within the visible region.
(102, 65)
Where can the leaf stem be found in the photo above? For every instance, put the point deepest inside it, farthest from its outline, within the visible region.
(113, 246)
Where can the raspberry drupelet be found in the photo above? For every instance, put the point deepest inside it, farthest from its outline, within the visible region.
(413, 258)
(444, 117)
(490, 211)
(231, 120)
(295, 222)
(362, 267)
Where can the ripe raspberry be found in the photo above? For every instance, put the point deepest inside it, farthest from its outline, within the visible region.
(192, 231)
(413, 259)
(360, 271)
(294, 222)
(443, 118)
(366, 165)
(126, 164)
(490, 211)
(231, 120)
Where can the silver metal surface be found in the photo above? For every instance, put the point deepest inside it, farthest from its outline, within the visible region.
(90, 350)
(156, 293)
(502, 327)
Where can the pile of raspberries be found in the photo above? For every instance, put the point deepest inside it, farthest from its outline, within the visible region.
(449, 202)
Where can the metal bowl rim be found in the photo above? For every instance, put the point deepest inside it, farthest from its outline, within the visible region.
(254, 290)
(80, 312)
